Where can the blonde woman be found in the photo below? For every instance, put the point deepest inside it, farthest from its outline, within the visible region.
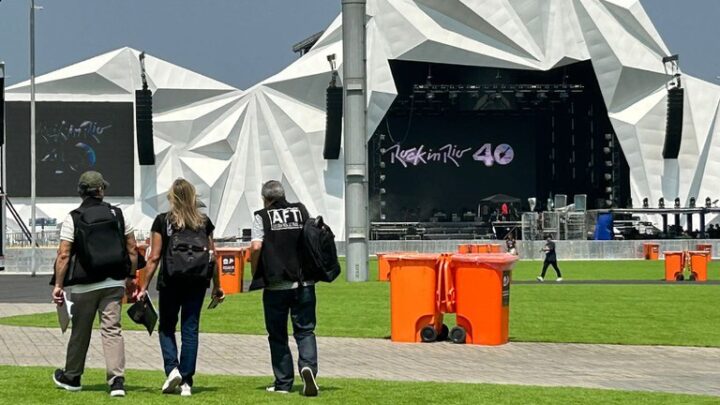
(182, 241)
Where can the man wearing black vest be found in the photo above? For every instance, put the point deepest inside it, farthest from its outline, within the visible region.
(276, 266)
(96, 290)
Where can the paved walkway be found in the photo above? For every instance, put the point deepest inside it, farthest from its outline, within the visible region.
(645, 368)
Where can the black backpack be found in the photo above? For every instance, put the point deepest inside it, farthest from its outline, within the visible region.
(187, 255)
(99, 246)
(320, 258)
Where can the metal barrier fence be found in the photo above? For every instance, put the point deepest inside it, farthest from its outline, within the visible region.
(17, 260)
(532, 250)
(51, 238)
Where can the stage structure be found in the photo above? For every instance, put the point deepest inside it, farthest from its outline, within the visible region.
(599, 57)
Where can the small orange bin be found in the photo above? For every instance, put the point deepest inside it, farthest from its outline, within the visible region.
(464, 249)
(707, 248)
(231, 266)
(481, 297)
(141, 249)
(414, 303)
(651, 251)
(140, 274)
(698, 265)
(481, 248)
(674, 264)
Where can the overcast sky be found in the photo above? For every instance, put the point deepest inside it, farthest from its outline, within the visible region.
(241, 42)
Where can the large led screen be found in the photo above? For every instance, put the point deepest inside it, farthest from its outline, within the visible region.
(450, 163)
(71, 138)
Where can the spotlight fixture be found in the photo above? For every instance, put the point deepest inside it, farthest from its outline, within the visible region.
(646, 203)
(677, 202)
(692, 202)
(383, 191)
(661, 203)
(708, 202)
(382, 178)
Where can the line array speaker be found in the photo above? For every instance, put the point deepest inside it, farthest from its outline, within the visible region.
(333, 123)
(2, 104)
(673, 130)
(144, 124)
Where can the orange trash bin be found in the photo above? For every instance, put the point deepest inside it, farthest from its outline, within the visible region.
(414, 307)
(464, 249)
(481, 248)
(495, 248)
(674, 266)
(141, 249)
(384, 265)
(707, 248)
(698, 265)
(231, 266)
(481, 297)
(140, 274)
(651, 251)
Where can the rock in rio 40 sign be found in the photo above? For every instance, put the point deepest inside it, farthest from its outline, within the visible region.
(450, 154)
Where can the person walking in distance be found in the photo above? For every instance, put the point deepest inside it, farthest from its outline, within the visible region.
(182, 240)
(288, 289)
(95, 263)
(550, 260)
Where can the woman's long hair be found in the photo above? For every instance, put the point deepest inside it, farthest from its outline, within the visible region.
(183, 206)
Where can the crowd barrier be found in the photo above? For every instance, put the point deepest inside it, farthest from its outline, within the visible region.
(17, 260)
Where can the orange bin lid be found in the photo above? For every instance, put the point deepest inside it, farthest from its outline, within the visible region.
(495, 260)
(673, 252)
(699, 252)
(412, 256)
(228, 249)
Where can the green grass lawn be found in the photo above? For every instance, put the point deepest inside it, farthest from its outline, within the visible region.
(685, 315)
(33, 385)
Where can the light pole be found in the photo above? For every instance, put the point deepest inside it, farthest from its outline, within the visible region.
(356, 193)
(33, 250)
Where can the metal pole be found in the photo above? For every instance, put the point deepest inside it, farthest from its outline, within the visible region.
(33, 252)
(356, 195)
(3, 216)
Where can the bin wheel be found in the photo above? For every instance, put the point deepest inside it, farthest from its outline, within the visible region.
(679, 277)
(692, 277)
(444, 333)
(458, 334)
(428, 334)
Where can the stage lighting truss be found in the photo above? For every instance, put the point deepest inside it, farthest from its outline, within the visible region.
(506, 94)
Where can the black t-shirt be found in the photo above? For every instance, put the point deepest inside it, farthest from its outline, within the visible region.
(550, 252)
(161, 226)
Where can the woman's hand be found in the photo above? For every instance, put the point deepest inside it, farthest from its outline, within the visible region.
(141, 293)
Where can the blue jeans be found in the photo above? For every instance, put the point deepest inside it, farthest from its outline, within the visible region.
(299, 304)
(188, 302)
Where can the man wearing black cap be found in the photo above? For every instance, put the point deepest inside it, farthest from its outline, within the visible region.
(95, 261)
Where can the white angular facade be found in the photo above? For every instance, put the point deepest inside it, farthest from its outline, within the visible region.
(228, 141)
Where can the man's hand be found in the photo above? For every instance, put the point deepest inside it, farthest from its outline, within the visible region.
(57, 296)
(218, 293)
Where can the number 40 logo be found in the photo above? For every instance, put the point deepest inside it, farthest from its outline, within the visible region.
(503, 155)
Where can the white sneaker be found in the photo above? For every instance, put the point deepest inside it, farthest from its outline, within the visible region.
(275, 390)
(172, 382)
(185, 390)
(540, 279)
(559, 279)
(310, 388)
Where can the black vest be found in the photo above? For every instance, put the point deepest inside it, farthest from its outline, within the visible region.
(281, 254)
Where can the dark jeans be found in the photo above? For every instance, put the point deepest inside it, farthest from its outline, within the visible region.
(188, 302)
(299, 303)
(554, 265)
